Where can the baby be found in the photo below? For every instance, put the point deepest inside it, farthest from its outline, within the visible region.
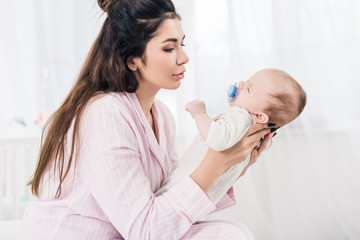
(270, 96)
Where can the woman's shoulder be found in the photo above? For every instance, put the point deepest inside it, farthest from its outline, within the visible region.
(111, 98)
(107, 103)
(108, 109)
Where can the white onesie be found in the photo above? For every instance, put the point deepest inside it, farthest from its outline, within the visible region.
(228, 128)
(225, 131)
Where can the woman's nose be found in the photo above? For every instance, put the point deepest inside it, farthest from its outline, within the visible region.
(182, 58)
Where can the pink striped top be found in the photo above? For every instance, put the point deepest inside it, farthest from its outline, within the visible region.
(110, 192)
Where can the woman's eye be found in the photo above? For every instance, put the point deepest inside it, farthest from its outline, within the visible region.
(183, 45)
(169, 49)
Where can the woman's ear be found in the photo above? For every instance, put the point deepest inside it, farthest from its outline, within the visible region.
(131, 64)
(260, 117)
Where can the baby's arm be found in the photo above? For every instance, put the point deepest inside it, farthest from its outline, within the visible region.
(197, 109)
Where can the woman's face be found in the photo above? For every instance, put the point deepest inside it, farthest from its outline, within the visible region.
(164, 58)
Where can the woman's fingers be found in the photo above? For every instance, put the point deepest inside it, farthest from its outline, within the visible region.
(256, 151)
(253, 158)
(254, 138)
(250, 140)
(265, 142)
(255, 128)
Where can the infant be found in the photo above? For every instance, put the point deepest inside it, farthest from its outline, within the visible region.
(270, 96)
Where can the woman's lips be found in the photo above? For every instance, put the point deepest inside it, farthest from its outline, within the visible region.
(179, 76)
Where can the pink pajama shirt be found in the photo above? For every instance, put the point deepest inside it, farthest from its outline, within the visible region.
(109, 193)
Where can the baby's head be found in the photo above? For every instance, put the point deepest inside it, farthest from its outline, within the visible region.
(271, 95)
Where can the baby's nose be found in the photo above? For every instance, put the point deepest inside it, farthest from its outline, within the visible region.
(242, 84)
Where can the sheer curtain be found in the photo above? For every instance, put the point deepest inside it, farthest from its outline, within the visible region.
(43, 45)
(306, 186)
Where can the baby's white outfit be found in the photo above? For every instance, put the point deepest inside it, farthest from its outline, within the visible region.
(228, 128)
(225, 131)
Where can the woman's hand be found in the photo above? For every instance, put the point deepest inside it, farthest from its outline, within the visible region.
(215, 163)
(256, 152)
(247, 145)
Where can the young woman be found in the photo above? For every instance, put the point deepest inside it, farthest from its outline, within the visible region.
(107, 149)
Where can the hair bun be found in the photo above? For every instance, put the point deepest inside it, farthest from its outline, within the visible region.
(105, 4)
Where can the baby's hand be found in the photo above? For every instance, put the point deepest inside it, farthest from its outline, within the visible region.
(195, 107)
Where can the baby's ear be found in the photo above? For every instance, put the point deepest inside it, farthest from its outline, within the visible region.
(260, 117)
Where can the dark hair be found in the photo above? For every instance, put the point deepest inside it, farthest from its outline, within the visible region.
(129, 26)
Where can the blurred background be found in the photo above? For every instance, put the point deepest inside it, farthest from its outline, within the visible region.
(306, 186)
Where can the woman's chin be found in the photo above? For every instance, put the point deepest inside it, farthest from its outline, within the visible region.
(173, 86)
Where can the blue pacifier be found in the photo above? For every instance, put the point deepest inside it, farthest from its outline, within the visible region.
(232, 92)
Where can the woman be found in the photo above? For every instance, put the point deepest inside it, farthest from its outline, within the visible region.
(109, 146)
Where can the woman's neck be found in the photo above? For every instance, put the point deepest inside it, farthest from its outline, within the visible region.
(146, 99)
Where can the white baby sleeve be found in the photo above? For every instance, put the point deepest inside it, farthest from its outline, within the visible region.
(228, 129)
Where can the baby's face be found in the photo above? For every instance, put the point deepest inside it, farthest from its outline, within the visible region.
(254, 94)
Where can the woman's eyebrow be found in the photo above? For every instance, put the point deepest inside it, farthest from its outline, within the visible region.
(172, 39)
